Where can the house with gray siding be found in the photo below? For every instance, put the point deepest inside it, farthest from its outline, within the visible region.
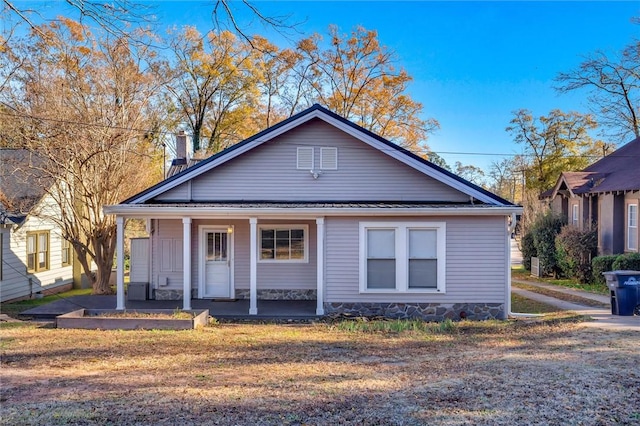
(605, 195)
(318, 208)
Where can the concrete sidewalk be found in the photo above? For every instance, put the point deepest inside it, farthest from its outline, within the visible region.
(603, 318)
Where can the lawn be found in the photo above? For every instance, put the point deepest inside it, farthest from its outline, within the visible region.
(520, 273)
(13, 309)
(494, 372)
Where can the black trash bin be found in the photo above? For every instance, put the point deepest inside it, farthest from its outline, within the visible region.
(625, 291)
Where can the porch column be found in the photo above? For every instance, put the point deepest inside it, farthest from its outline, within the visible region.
(320, 265)
(120, 263)
(253, 266)
(186, 263)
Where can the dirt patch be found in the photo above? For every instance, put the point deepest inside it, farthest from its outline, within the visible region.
(498, 373)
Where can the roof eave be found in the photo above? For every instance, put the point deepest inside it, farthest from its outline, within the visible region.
(178, 212)
(341, 123)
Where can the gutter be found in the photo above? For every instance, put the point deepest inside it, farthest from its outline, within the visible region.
(178, 212)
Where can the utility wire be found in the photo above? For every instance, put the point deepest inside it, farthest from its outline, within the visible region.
(144, 132)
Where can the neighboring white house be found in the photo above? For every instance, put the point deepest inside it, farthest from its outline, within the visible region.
(319, 208)
(35, 259)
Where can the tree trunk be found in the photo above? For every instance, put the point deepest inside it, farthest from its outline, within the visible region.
(103, 245)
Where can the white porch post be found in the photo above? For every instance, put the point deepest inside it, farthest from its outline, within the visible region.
(320, 265)
(186, 263)
(120, 263)
(253, 266)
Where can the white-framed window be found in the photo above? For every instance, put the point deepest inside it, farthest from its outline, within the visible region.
(283, 243)
(402, 257)
(304, 158)
(328, 158)
(632, 227)
(574, 215)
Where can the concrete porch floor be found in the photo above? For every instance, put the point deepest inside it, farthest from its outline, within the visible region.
(239, 309)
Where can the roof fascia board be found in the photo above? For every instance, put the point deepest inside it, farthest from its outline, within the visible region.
(201, 212)
(411, 162)
(556, 188)
(341, 125)
(229, 156)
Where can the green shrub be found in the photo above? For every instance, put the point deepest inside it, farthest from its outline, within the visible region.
(627, 261)
(545, 230)
(528, 248)
(601, 264)
(574, 250)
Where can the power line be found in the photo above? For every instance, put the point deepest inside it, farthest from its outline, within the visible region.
(144, 132)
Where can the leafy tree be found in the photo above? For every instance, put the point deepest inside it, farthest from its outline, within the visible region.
(213, 84)
(356, 78)
(613, 84)
(552, 144)
(438, 160)
(78, 105)
(470, 172)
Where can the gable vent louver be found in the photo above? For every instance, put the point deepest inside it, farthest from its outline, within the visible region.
(329, 158)
(305, 158)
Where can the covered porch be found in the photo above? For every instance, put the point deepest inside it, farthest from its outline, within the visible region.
(251, 274)
(295, 310)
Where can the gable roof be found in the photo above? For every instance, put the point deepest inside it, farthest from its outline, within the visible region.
(618, 171)
(621, 169)
(317, 111)
(575, 183)
(18, 193)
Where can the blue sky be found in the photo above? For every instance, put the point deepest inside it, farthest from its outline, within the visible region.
(473, 63)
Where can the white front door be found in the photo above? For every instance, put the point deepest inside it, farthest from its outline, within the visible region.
(217, 263)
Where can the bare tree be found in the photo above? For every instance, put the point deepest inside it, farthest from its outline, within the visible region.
(356, 77)
(552, 144)
(613, 84)
(119, 18)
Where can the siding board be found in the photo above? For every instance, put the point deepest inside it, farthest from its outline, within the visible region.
(476, 259)
(269, 172)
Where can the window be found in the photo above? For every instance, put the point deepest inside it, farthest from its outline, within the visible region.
(381, 258)
(217, 246)
(37, 251)
(329, 158)
(402, 257)
(423, 258)
(283, 243)
(305, 158)
(632, 227)
(574, 215)
(66, 253)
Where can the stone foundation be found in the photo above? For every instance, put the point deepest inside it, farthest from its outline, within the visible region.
(163, 294)
(273, 294)
(424, 311)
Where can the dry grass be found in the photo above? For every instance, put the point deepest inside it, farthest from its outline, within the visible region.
(562, 296)
(522, 274)
(497, 373)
